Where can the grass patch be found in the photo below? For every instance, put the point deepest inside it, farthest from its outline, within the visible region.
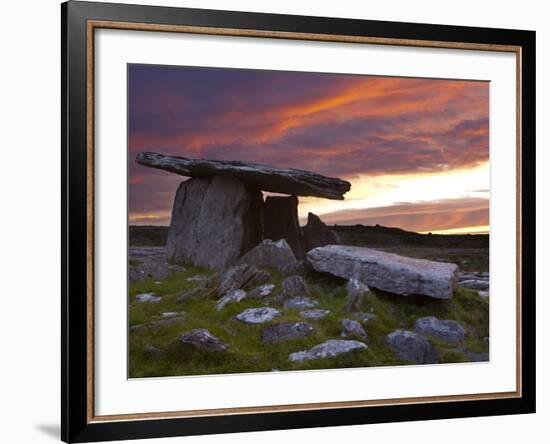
(247, 353)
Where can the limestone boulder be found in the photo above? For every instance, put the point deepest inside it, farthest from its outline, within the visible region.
(202, 339)
(386, 271)
(258, 315)
(351, 327)
(444, 329)
(286, 331)
(328, 349)
(215, 220)
(412, 347)
(270, 254)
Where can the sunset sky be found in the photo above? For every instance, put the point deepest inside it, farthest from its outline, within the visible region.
(416, 151)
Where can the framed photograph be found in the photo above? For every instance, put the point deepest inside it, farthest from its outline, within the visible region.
(275, 221)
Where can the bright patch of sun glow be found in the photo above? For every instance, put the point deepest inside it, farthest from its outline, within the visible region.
(484, 229)
(386, 191)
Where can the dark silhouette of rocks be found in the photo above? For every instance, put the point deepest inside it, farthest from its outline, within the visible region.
(258, 176)
(281, 222)
(317, 233)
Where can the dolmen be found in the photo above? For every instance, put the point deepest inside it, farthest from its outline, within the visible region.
(220, 219)
(219, 214)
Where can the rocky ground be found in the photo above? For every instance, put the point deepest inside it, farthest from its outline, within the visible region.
(255, 318)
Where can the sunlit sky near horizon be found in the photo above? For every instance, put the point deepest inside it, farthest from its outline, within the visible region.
(416, 151)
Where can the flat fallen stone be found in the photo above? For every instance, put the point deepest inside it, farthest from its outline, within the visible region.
(232, 296)
(286, 331)
(351, 327)
(300, 302)
(147, 297)
(270, 254)
(446, 330)
(386, 271)
(261, 291)
(328, 349)
(258, 315)
(314, 313)
(160, 323)
(201, 338)
(412, 347)
(475, 284)
(255, 175)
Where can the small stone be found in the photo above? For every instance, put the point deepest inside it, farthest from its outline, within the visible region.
(314, 313)
(201, 338)
(295, 286)
(446, 330)
(258, 315)
(475, 284)
(412, 347)
(197, 278)
(147, 297)
(483, 294)
(365, 317)
(261, 291)
(328, 349)
(151, 349)
(300, 303)
(352, 328)
(160, 323)
(286, 331)
(171, 314)
(232, 296)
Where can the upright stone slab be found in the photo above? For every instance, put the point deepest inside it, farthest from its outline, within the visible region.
(386, 271)
(215, 220)
(281, 222)
(318, 234)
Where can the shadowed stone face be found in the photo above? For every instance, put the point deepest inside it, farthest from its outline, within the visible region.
(214, 221)
(281, 222)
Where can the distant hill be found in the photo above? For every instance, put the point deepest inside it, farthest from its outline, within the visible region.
(359, 235)
(379, 236)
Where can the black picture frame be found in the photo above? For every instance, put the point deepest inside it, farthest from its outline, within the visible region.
(76, 423)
